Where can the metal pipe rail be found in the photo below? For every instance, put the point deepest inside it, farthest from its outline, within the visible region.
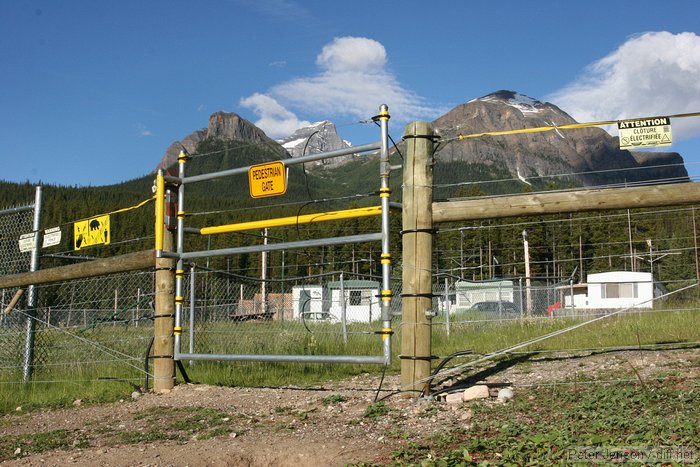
(274, 246)
(353, 359)
(287, 162)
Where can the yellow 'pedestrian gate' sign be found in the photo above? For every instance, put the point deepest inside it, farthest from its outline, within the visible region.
(94, 231)
(269, 179)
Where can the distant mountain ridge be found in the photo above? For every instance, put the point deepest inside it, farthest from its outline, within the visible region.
(585, 156)
(588, 156)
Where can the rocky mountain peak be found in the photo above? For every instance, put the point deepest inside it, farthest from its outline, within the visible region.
(315, 138)
(590, 155)
(222, 125)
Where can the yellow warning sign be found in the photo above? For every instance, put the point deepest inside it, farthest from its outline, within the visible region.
(94, 231)
(646, 132)
(268, 179)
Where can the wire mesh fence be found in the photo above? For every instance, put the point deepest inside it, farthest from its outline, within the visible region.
(101, 328)
(90, 328)
(13, 224)
(307, 316)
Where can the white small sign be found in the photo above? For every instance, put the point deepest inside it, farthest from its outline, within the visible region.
(648, 132)
(52, 237)
(26, 242)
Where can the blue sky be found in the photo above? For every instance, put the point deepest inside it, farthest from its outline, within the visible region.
(93, 92)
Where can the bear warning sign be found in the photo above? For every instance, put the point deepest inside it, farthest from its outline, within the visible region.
(94, 231)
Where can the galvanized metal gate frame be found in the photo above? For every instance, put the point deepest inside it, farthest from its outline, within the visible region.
(180, 255)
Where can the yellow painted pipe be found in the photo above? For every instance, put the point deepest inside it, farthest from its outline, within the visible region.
(293, 220)
(160, 211)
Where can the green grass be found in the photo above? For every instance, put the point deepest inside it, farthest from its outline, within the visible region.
(154, 424)
(545, 426)
(68, 377)
(40, 442)
(629, 329)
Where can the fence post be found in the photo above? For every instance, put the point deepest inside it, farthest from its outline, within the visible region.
(164, 319)
(28, 358)
(343, 309)
(447, 306)
(417, 230)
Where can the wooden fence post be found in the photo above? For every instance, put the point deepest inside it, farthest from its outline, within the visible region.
(417, 233)
(164, 320)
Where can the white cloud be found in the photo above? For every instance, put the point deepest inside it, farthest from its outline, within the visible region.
(275, 120)
(352, 81)
(652, 74)
(143, 131)
(352, 54)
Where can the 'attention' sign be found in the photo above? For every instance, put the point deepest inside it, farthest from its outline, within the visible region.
(269, 179)
(648, 132)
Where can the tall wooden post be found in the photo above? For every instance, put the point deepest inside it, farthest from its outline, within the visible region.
(417, 256)
(164, 319)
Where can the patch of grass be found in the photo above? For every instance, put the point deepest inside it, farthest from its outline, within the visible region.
(35, 396)
(34, 443)
(284, 426)
(430, 410)
(138, 436)
(397, 434)
(411, 452)
(543, 429)
(333, 399)
(182, 422)
(378, 409)
(304, 415)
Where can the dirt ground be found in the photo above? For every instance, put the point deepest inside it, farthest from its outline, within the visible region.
(324, 426)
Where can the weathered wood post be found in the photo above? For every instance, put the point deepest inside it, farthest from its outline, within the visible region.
(164, 319)
(417, 233)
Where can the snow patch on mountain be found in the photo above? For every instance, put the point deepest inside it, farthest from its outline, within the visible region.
(316, 138)
(521, 102)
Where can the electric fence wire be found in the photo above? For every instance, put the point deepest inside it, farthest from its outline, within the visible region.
(568, 126)
(290, 203)
(490, 356)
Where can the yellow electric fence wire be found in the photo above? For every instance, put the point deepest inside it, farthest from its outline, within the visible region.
(569, 126)
(293, 220)
(130, 208)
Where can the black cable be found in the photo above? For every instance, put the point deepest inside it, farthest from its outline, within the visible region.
(398, 151)
(444, 362)
(379, 388)
(303, 166)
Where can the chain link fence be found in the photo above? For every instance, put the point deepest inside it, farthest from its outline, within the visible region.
(101, 327)
(227, 314)
(85, 329)
(460, 301)
(14, 223)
